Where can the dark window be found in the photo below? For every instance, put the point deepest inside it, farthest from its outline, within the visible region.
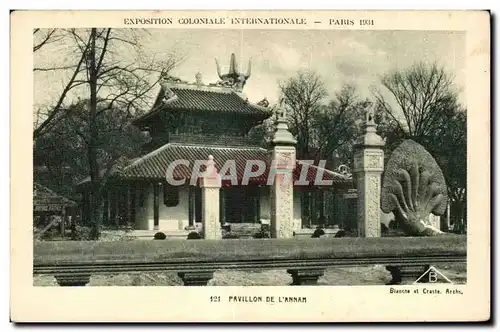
(198, 205)
(141, 196)
(242, 204)
(170, 195)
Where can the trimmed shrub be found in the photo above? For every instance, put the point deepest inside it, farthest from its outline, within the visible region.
(160, 236)
(318, 232)
(194, 236)
(262, 235)
(340, 233)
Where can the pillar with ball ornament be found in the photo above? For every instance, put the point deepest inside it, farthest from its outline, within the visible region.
(282, 163)
(210, 184)
(368, 168)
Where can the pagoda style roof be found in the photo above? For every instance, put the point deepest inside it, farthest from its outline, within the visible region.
(199, 97)
(153, 166)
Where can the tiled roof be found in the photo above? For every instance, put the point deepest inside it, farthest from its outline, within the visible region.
(154, 165)
(191, 97)
(210, 100)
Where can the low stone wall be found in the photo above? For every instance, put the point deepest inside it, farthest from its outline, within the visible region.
(73, 262)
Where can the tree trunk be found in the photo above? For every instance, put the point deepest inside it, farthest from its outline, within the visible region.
(93, 140)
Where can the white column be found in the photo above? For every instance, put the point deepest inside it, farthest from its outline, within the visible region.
(368, 168)
(210, 186)
(283, 160)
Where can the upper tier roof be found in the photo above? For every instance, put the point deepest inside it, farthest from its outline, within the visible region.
(198, 97)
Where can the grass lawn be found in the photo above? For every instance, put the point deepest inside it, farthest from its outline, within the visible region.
(340, 276)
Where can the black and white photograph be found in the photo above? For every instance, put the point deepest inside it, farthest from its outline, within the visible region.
(251, 153)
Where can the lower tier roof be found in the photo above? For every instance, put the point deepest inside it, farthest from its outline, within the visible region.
(153, 166)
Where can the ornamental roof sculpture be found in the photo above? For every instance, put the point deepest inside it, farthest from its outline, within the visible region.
(345, 170)
(233, 79)
(169, 95)
(264, 103)
(199, 78)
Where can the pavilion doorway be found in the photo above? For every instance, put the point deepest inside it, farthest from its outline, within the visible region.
(240, 204)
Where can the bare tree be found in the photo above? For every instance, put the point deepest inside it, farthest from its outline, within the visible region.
(43, 37)
(321, 127)
(421, 95)
(302, 96)
(53, 112)
(128, 81)
(108, 78)
(324, 129)
(337, 125)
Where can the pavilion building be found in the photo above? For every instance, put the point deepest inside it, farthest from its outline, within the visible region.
(190, 121)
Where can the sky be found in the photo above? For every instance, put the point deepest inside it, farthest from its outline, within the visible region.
(339, 57)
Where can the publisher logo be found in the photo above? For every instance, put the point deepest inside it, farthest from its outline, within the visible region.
(433, 276)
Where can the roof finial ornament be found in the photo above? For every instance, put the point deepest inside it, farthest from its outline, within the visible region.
(264, 103)
(167, 78)
(233, 79)
(199, 78)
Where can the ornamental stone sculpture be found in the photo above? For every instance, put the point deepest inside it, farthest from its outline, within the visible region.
(414, 187)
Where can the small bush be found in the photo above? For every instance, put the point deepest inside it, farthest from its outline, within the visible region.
(81, 233)
(194, 236)
(340, 233)
(160, 236)
(318, 232)
(262, 235)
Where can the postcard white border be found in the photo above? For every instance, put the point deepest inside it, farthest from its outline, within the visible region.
(325, 303)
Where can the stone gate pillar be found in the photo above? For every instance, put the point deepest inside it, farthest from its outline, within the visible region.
(210, 184)
(281, 173)
(368, 168)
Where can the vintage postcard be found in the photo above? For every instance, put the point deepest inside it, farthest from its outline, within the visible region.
(250, 166)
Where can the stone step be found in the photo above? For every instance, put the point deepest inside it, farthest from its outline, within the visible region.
(244, 230)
